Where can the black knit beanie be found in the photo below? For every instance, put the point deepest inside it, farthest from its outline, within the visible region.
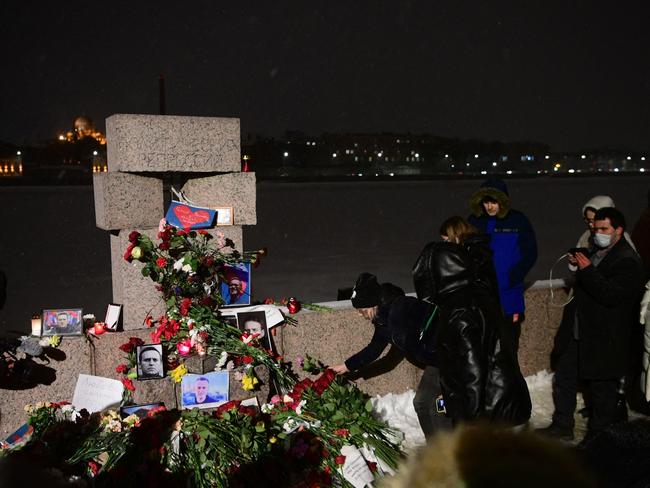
(366, 291)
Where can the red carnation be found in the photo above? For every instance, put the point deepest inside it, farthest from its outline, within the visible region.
(133, 236)
(202, 232)
(128, 384)
(339, 459)
(225, 407)
(247, 359)
(163, 245)
(127, 253)
(342, 432)
(121, 369)
(161, 262)
(372, 466)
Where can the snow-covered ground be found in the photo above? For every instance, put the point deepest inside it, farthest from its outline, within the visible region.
(398, 410)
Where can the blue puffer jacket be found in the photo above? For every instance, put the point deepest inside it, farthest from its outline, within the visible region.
(512, 241)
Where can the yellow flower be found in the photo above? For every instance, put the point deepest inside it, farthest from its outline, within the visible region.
(273, 440)
(55, 340)
(178, 373)
(248, 382)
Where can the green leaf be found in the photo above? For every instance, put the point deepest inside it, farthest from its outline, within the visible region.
(369, 407)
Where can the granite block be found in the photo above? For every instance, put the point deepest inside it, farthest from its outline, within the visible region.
(236, 190)
(137, 293)
(144, 143)
(336, 335)
(125, 201)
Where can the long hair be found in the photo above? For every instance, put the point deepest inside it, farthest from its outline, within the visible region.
(457, 229)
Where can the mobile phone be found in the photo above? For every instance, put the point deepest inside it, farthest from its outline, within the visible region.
(440, 405)
(582, 250)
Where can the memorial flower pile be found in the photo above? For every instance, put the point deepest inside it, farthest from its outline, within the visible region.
(301, 436)
(187, 265)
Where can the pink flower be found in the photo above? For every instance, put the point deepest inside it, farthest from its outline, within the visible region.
(161, 225)
(184, 347)
(221, 239)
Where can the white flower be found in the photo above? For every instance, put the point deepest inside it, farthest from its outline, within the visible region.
(267, 408)
(187, 268)
(179, 264)
(223, 357)
(300, 405)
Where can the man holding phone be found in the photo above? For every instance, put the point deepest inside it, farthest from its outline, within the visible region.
(592, 343)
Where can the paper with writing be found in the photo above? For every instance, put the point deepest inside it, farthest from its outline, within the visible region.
(95, 393)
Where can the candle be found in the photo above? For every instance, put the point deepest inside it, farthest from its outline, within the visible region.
(99, 328)
(36, 325)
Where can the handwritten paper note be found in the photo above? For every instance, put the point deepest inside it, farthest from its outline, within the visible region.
(95, 393)
(355, 469)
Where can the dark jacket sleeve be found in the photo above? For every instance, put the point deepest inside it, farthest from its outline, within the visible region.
(621, 285)
(527, 244)
(369, 353)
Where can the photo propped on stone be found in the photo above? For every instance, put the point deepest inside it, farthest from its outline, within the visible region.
(140, 410)
(63, 322)
(149, 358)
(205, 390)
(254, 323)
(236, 287)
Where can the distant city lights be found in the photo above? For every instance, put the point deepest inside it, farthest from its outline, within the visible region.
(494, 164)
(286, 154)
(583, 157)
(475, 156)
(509, 172)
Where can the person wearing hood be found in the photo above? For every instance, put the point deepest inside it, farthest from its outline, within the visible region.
(589, 209)
(513, 243)
(480, 379)
(408, 324)
(592, 344)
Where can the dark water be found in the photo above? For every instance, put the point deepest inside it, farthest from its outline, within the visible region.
(319, 235)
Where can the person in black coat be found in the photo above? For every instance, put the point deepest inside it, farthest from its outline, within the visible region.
(593, 342)
(409, 325)
(479, 378)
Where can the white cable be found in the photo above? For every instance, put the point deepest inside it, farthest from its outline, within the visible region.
(550, 285)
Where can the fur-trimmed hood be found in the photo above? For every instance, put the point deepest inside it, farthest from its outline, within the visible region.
(493, 188)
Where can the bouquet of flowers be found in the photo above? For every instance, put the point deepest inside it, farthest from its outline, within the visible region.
(186, 264)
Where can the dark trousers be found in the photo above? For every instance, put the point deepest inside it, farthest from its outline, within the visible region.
(424, 403)
(513, 331)
(565, 386)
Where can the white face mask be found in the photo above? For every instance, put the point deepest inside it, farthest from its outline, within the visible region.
(602, 240)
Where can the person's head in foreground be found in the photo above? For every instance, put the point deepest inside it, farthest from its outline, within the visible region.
(485, 456)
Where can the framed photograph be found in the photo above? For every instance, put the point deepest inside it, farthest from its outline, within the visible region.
(236, 285)
(140, 410)
(254, 323)
(149, 359)
(204, 390)
(224, 216)
(112, 316)
(63, 322)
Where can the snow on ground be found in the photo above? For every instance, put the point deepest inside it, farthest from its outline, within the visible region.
(397, 410)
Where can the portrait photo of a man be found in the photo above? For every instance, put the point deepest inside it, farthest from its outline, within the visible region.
(204, 390)
(235, 285)
(63, 322)
(149, 358)
(254, 323)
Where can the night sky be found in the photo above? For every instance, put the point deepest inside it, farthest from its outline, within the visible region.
(573, 74)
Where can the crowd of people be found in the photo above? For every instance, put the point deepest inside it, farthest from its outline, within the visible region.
(464, 326)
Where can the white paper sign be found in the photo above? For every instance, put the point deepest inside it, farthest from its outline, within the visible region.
(272, 313)
(95, 393)
(355, 469)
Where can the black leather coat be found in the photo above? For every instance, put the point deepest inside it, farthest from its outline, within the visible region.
(478, 378)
